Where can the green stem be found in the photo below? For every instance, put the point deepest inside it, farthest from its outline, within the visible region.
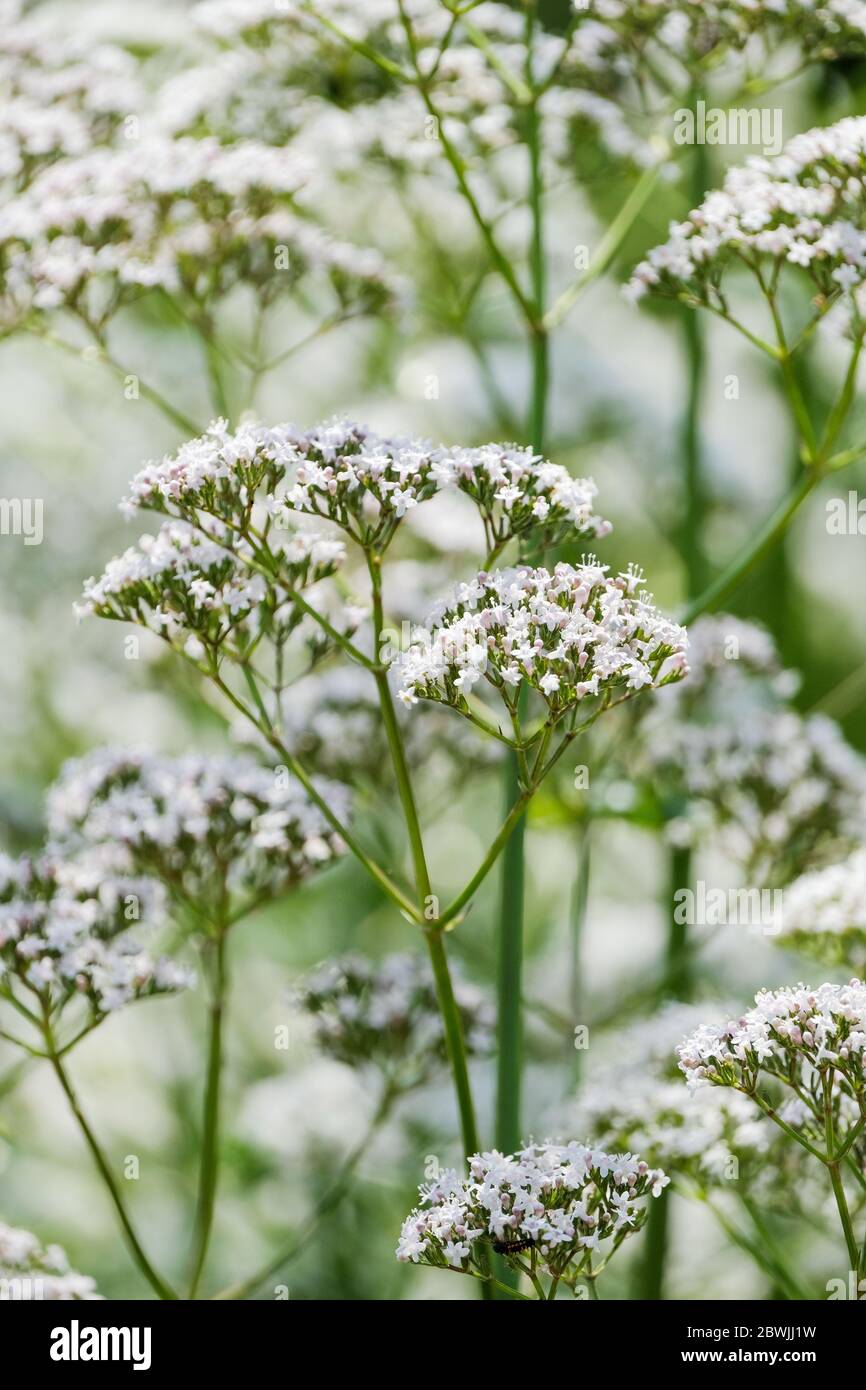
(159, 1286)
(263, 724)
(427, 904)
(512, 884)
(759, 546)
(677, 985)
(580, 903)
(607, 247)
(696, 500)
(678, 964)
(845, 1217)
(327, 1203)
(651, 1272)
(509, 983)
(209, 1157)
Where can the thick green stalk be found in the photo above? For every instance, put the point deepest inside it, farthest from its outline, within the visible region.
(678, 963)
(209, 1157)
(651, 1271)
(757, 548)
(512, 883)
(845, 1217)
(579, 905)
(509, 978)
(157, 1283)
(677, 985)
(327, 1203)
(427, 903)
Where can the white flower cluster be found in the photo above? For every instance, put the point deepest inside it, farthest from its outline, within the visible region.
(188, 215)
(560, 1200)
(825, 913)
(365, 482)
(264, 52)
(572, 634)
(29, 1270)
(201, 590)
(385, 1014)
(634, 1099)
(811, 1041)
(61, 93)
(805, 208)
(197, 823)
(66, 930)
(730, 756)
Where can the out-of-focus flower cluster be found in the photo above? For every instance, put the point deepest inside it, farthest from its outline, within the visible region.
(635, 1100)
(68, 928)
(385, 1014)
(63, 93)
(809, 1041)
(730, 757)
(331, 720)
(364, 482)
(205, 592)
(190, 216)
(473, 64)
(804, 208)
(571, 634)
(559, 1200)
(825, 913)
(29, 1270)
(203, 826)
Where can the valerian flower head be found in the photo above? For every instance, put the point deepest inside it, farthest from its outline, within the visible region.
(803, 208)
(634, 1099)
(202, 825)
(824, 913)
(562, 1200)
(29, 1270)
(62, 92)
(190, 216)
(205, 591)
(364, 482)
(385, 1014)
(810, 1041)
(571, 634)
(70, 927)
(730, 757)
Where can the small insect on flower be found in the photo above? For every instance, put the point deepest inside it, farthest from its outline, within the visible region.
(512, 1247)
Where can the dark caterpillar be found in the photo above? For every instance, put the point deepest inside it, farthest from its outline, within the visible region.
(512, 1247)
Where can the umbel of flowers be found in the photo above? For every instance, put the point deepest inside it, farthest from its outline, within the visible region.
(730, 757)
(551, 1210)
(223, 833)
(386, 1015)
(571, 634)
(364, 482)
(825, 913)
(802, 209)
(29, 1270)
(808, 1046)
(189, 216)
(71, 928)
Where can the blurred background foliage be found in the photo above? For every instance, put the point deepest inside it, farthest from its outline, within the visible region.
(618, 405)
